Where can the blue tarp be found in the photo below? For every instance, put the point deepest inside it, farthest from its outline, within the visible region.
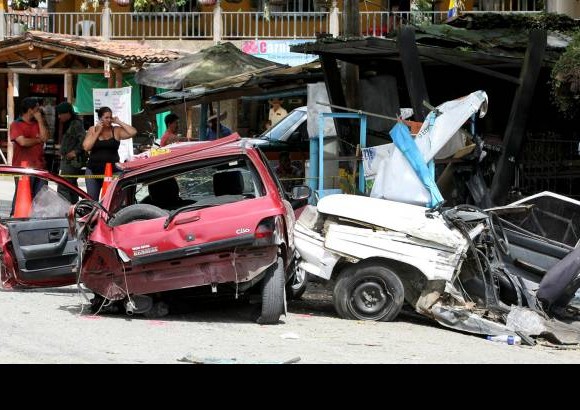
(426, 172)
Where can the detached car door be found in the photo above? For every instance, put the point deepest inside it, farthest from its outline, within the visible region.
(37, 249)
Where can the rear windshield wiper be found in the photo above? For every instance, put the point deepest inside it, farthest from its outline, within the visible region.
(185, 208)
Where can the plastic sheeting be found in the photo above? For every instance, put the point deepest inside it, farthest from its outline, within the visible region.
(210, 64)
(394, 176)
(47, 203)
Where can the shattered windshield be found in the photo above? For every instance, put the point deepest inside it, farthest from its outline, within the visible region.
(226, 181)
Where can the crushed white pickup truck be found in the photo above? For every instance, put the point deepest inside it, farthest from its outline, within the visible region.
(469, 269)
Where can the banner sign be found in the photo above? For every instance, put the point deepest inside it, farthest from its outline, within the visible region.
(277, 51)
(119, 101)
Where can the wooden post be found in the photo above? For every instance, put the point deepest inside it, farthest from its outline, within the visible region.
(336, 95)
(413, 72)
(516, 127)
(68, 88)
(118, 78)
(10, 109)
(189, 126)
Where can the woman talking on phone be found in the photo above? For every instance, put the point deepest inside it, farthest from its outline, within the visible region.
(102, 142)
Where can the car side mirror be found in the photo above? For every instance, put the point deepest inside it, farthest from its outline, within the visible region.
(300, 192)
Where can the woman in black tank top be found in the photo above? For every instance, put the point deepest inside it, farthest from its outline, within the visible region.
(102, 141)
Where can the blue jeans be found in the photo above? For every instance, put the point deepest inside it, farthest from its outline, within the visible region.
(94, 185)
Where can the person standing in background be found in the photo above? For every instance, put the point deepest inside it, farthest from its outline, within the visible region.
(29, 132)
(71, 136)
(170, 136)
(276, 112)
(289, 174)
(212, 127)
(102, 142)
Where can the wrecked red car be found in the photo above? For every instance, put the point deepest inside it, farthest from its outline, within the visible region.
(208, 215)
(37, 250)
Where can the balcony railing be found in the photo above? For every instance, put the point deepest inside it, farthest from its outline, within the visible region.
(215, 25)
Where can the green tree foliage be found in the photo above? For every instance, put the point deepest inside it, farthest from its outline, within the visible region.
(23, 4)
(566, 79)
(158, 5)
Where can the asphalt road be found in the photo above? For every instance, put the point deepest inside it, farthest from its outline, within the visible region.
(55, 326)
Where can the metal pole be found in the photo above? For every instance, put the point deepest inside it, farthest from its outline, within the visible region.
(363, 144)
(313, 168)
(320, 152)
(372, 114)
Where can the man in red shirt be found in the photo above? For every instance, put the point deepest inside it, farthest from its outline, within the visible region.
(28, 133)
(170, 136)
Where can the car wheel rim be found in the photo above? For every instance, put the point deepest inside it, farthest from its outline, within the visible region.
(299, 279)
(370, 299)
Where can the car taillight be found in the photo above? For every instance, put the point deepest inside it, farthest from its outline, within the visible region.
(264, 232)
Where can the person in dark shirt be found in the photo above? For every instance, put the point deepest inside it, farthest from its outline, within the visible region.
(71, 148)
(102, 142)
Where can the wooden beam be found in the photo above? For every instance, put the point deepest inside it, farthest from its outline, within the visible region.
(437, 56)
(515, 131)
(22, 70)
(11, 49)
(55, 60)
(24, 60)
(39, 58)
(75, 52)
(413, 72)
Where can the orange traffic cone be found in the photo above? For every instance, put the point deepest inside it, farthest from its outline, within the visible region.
(23, 196)
(108, 178)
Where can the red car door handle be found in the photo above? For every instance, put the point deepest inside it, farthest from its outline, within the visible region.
(187, 219)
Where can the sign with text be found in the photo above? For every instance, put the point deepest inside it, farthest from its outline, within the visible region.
(119, 101)
(277, 51)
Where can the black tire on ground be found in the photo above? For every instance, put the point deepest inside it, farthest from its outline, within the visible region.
(273, 294)
(298, 285)
(368, 291)
(137, 212)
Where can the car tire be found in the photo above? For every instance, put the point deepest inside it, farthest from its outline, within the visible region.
(137, 212)
(368, 291)
(273, 294)
(296, 288)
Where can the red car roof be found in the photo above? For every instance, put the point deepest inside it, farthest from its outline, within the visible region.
(182, 152)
